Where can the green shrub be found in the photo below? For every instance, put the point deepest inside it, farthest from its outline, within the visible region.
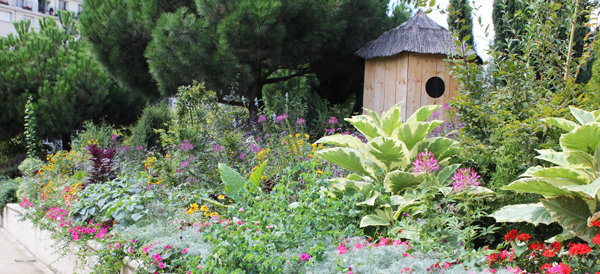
(571, 187)
(153, 118)
(30, 166)
(8, 192)
(28, 188)
(100, 135)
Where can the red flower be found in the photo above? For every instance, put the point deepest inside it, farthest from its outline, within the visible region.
(595, 223)
(523, 237)
(549, 253)
(556, 246)
(537, 246)
(511, 235)
(545, 266)
(579, 249)
(596, 239)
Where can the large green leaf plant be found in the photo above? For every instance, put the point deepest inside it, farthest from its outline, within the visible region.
(571, 187)
(381, 167)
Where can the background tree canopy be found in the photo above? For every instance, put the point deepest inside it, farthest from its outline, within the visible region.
(67, 85)
(234, 46)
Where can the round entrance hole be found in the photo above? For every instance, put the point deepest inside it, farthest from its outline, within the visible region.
(435, 87)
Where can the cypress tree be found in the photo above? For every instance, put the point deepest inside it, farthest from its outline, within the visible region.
(460, 20)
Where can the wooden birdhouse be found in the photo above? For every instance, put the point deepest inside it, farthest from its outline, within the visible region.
(407, 64)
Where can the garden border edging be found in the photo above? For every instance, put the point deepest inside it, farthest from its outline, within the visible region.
(41, 245)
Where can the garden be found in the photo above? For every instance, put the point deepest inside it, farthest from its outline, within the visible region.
(502, 179)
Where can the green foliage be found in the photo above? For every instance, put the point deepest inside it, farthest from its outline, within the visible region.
(99, 134)
(145, 130)
(33, 143)
(535, 77)
(8, 192)
(460, 20)
(53, 66)
(593, 86)
(383, 163)
(121, 200)
(246, 44)
(293, 217)
(571, 188)
(30, 166)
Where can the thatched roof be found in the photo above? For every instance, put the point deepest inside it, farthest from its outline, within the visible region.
(419, 34)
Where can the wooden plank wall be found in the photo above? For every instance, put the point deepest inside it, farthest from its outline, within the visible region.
(403, 78)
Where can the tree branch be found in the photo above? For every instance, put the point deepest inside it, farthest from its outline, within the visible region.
(284, 78)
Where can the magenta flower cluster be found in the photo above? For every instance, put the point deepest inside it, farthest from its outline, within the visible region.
(465, 177)
(186, 145)
(262, 118)
(281, 117)
(425, 163)
(332, 120)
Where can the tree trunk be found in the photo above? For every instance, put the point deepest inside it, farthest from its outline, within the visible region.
(255, 95)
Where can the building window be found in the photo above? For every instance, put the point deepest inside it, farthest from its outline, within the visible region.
(435, 87)
(5, 16)
(62, 5)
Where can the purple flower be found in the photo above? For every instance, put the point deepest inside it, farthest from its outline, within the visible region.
(125, 148)
(425, 162)
(329, 131)
(184, 164)
(262, 118)
(242, 156)
(465, 177)
(140, 147)
(114, 137)
(332, 120)
(217, 148)
(300, 121)
(281, 117)
(304, 257)
(186, 145)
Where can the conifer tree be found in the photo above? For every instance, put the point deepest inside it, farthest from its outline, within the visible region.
(66, 84)
(460, 20)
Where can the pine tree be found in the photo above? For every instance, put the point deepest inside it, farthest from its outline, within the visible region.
(66, 84)
(460, 20)
(246, 44)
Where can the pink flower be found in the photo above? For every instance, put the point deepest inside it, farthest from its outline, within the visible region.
(465, 177)
(425, 162)
(262, 118)
(161, 265)
(304, 257)
(281, 117)
(342, 249)
(332, 120)
(406, 270)
(167, 246)
(184, 250)
(157, 258)
(300, 121)
(358, 246)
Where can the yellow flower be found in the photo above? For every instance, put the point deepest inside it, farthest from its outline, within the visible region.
(193, 208)
(297, 135)
(206, 213)
(221, 197)
(214, 214)
(306, 136)
(319, 172)
(204, 208)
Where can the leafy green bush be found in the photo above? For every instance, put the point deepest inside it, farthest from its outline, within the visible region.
(8, 192)
(381, 166)
(101, 135)
(571, 188)
(30, 166)
(121, 200)
(153, 118)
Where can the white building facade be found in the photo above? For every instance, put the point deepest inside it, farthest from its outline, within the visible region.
(15, 10)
